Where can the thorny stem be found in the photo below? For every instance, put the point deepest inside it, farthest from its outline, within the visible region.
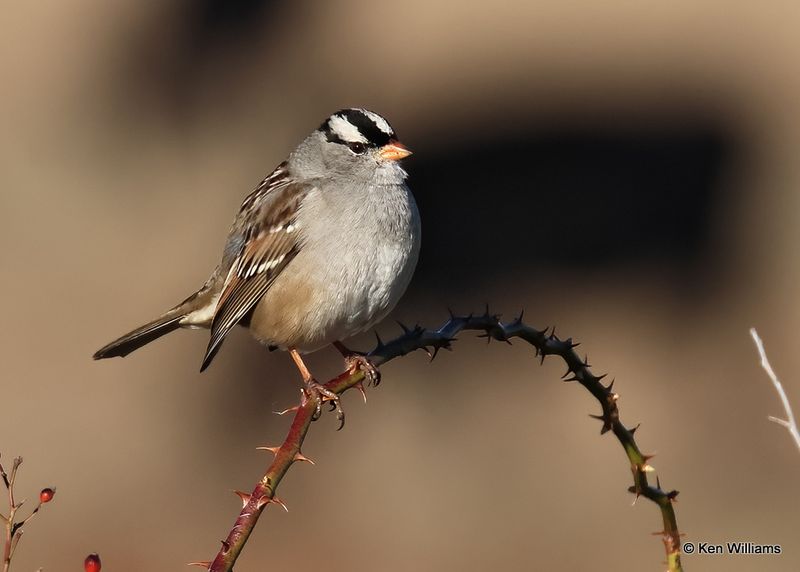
(432, 341)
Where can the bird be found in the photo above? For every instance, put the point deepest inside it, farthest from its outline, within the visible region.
(322, 249)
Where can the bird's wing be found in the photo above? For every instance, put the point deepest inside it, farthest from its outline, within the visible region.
(265, 237)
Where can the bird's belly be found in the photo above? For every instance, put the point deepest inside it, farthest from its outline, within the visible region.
(332, 297)
(357, 257)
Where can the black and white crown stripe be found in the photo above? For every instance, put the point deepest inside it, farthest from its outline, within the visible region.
(358, 126)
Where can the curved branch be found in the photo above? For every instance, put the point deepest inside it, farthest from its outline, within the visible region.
(432, 341)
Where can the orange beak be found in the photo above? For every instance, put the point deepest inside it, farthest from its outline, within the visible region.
(393, 151)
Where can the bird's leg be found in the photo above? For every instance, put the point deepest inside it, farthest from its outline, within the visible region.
(317, 391)
(355, 361)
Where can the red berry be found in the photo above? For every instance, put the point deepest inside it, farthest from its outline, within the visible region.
(46, 495)
(92, 563)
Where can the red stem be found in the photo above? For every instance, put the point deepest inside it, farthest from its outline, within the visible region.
(264, 492)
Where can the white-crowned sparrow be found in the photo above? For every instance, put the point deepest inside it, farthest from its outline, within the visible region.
(322, 249)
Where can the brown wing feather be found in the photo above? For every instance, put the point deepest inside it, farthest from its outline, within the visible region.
(267, 238)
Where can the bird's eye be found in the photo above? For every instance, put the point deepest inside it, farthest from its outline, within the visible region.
(357, 148)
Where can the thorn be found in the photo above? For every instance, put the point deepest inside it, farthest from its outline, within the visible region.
(452, 315)
(610, 386)
(442, 343)
(360, 387)
(273, 450)
(633, 430)
(673, 496)
(543, 353)
(300, 457)
(289, 410)
(245, 497)
(518, 320)
(606, 423)
(585, 361)
(658, 482)
(599, 378)
(276, 500)
(225, 546)
(380, 341)
(633, 490)
(573, 378)
(405, 328)
(202, 564)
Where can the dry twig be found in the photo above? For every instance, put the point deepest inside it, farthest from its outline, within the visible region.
(789, 423)
(13, 530)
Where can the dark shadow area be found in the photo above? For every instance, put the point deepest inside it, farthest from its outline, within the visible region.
(210, 25)
(594, 199)
(193, 45)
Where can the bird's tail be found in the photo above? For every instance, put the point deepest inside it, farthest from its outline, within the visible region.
(162, 325)
(140, 336)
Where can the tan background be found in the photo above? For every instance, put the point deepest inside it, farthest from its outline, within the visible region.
(131, 132)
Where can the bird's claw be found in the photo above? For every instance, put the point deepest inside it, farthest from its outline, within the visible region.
(320, 394)
(357, 362)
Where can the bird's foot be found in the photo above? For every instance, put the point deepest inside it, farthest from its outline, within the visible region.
(320, 394)
(356, 361)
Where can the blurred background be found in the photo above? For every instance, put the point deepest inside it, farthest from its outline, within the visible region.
(624, 171)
